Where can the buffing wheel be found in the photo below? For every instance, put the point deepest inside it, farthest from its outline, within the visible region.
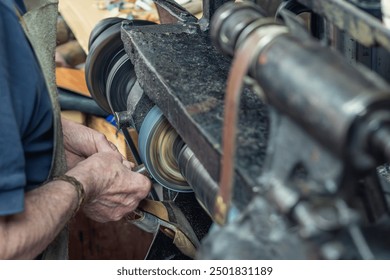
(157, 142)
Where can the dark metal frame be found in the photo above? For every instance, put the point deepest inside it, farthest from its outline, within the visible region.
(195, 109)
(365, 28)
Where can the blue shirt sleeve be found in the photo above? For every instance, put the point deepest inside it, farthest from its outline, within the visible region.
(21, 6)
(26, 120)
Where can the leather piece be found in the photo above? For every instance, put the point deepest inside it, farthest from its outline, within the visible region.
(155, 208)
(173, 224)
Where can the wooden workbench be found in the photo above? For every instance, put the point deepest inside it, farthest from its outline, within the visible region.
(82, 16)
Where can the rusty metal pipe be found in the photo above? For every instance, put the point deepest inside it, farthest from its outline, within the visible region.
(310, 83)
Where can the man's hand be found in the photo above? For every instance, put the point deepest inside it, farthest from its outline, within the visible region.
(112, 189)
(80, 142)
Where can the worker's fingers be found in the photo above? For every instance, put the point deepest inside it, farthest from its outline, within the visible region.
(128, 164)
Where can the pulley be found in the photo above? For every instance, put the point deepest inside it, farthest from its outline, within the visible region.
(107, 60)
(120, 81)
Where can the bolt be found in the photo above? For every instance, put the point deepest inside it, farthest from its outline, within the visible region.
(123, 119)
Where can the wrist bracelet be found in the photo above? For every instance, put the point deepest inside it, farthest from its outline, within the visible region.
(77, 185)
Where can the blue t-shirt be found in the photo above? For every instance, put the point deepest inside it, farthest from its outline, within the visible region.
(26, 117)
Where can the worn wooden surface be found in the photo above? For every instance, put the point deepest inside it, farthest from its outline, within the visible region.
(75, 116)
(82, 16)
(72, 80)
(90, 240)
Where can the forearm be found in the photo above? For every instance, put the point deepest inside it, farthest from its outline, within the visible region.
(47, 210)
(111, 191)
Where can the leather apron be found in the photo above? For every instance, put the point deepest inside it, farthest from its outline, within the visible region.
(40, 24)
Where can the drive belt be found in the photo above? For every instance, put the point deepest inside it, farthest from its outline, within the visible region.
(245, 56)
(235, 83)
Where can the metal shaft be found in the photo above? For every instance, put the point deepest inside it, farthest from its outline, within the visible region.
(198, 178)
